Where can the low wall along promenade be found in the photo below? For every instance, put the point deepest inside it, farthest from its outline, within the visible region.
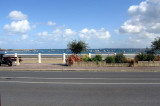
(149, 63)
(99, 64)
(104, 64)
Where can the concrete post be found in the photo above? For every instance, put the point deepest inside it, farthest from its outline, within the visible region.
(89, 55)
(15, 55)
(17, 64)
(39, 57)
(64, 58)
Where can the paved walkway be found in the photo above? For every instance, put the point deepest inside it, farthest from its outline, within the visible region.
(63, 67)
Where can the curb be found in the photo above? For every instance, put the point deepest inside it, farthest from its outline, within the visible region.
(81, 70)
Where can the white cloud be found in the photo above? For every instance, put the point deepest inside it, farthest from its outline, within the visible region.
(43, 34)
(65, 34)
(69, 32)
(144, 22)
(142, 8)
(17, 27)
(155, 1)
(17, 15)
(130, 28)
(89, 33)
(50, 23)
(24, 36)
(58, 34)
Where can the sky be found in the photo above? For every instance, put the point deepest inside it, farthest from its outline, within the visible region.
(52, 24)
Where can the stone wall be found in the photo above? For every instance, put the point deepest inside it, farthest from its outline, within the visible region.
(149, 63)
(104, 64)
(99, 64)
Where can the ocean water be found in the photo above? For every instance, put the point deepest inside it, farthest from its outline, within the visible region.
(61, 51)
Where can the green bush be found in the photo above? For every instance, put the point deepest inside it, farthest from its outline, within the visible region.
(110, 59)
(157, 58)
(97, 58)
(145, 57)
(150, 57)
(86, 58)
(119, 58)
(141, 57)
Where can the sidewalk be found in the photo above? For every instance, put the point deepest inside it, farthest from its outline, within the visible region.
(63, 67)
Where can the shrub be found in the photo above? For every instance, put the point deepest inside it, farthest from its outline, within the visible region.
(73, 58)
(157, 58)
(150, 57)
(86, 58)
(145, 57)
(141, 57)
(130, 61)
(97, 58)
(110, 59)
(119, 58)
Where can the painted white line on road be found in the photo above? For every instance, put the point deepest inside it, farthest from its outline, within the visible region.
(45, 78)
(79, 83)
(79, 78)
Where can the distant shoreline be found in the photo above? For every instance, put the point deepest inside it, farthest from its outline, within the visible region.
(17, 49)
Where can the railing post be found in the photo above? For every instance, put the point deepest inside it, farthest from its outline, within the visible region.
(64, 58)
(89, 55)
(17, 62)
(15, 55)
(39, 57)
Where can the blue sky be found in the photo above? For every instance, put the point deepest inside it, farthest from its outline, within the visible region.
(45, 24)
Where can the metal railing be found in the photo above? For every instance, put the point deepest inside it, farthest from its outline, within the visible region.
(39, 56)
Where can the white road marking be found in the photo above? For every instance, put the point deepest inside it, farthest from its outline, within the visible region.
(80, 78)
(79, 83)
(45, 78)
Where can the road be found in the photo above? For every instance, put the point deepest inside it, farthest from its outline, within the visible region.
(79, 88)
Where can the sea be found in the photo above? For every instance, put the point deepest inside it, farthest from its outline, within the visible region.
(61, 51)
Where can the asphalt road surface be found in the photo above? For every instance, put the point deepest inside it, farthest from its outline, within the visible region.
(79, 88)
